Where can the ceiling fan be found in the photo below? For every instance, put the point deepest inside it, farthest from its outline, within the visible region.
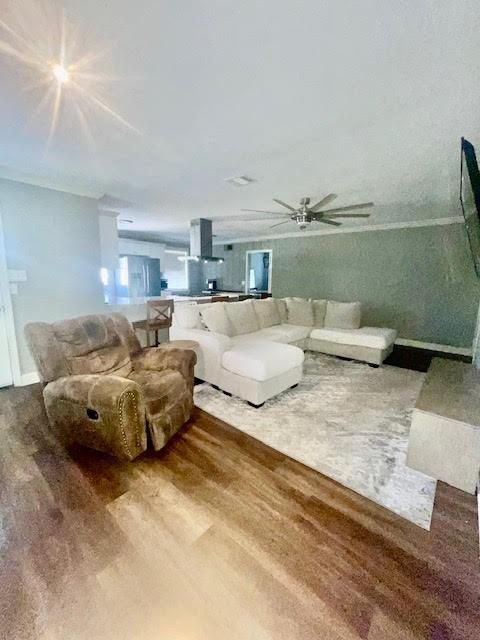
(305, 214)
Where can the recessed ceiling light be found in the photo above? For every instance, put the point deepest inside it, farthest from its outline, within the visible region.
(240, 181)
(125, 221)
(61, 73)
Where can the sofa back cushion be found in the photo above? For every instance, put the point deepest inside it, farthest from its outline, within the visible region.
(300, 311)
(319, 311)
(343, 315)
(91, 345)
(215, 318)
(242, 317)
(187, 316)
(267, 312)
(282, 309)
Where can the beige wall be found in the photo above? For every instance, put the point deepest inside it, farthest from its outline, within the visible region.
(54, 237)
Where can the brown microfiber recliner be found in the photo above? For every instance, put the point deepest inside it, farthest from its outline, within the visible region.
(102, 390)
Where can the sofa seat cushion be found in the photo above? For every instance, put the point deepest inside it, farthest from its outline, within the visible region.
(284, 333)
(371, 337)
(262, 360)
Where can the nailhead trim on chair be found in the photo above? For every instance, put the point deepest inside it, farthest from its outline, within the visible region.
(124, 435)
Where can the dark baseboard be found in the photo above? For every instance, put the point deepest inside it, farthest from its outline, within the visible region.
(419, 359)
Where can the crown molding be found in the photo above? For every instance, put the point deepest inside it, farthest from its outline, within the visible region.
(413, 224)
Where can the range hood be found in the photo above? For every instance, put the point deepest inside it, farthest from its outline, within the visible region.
(201, 245)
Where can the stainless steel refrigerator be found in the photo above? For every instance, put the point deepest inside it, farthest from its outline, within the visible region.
(139, 277)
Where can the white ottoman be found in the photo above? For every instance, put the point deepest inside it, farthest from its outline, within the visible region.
(258, 370)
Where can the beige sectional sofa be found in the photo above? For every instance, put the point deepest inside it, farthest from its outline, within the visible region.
(254, 349)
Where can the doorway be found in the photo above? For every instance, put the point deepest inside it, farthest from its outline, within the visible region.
(258, 271)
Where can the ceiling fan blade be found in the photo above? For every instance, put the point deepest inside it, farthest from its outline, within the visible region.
(326, 221)
(324, 201)
(276, 213)
(284, 204)
(363, 205)
(347, 215)
(278, 224)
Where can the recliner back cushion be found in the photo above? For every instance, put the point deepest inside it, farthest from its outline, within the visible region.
(319, 311)
(242, 317)
(91, 345)
(343, 315)
(215, 318)
(267, 312)
(300, 311)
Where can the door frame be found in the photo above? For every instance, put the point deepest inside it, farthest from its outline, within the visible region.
(247, 274)
(9, 318)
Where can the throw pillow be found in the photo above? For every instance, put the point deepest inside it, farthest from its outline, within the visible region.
(319, 311)
(300, 312)
(282, 309)
(187, 316)
(266, 312)
(242, 317)
(215, 318)
(343, 315)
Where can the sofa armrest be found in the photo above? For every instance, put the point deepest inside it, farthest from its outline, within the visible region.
(160, 359)
(103, 412)
(209, 355)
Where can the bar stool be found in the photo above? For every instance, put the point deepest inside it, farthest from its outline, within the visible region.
(159, 316)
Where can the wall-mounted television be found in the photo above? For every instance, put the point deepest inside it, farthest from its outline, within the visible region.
(470, 199)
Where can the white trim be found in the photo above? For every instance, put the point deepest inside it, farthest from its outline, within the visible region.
(413, 224)
(433, 346)
(9, 317)
(29, 378)
(247, 275)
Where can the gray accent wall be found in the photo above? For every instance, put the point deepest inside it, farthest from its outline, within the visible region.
(54, 237)
(418, 280)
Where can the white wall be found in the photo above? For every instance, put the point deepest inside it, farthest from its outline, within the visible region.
(54, 237)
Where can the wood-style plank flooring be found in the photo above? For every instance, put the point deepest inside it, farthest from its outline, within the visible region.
(216, 537)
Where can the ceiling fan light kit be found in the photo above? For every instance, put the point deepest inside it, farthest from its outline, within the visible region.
(305, 214)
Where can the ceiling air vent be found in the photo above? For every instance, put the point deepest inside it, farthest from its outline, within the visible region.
(240, 181)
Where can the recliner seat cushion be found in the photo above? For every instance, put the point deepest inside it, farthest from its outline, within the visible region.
(343, 315)
(371, 337)
(267, 313)
(261, 360)
(300, 312)
(242, 317)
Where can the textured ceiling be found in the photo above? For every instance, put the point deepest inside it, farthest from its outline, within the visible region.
(365, 99)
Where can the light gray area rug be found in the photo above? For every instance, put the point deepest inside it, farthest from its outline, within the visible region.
(347, 421)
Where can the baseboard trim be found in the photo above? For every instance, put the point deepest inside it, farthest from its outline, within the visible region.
(29, 378)
(433, 346)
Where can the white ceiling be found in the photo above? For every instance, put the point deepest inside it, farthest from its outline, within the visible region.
(365, 99)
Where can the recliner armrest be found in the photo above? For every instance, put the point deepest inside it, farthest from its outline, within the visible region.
(160, 359)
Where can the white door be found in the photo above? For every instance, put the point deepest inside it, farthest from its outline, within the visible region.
(5, 367)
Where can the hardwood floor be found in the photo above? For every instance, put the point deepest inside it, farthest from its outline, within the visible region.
(217, 536)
